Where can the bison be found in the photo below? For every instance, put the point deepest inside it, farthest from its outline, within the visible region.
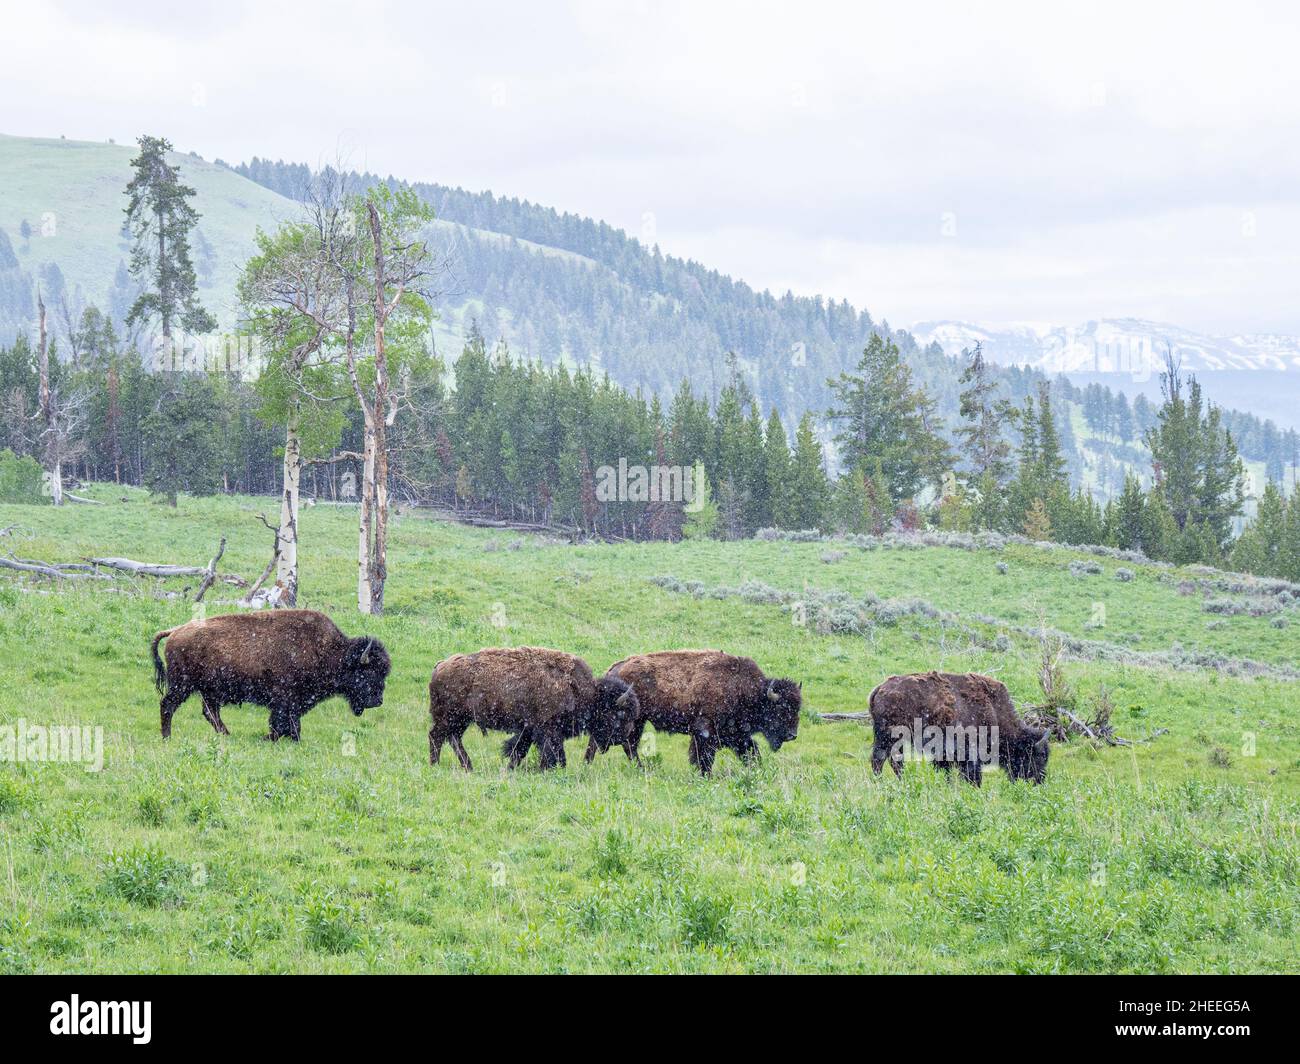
(717, 699)
(964, 719)
(540, 696)
(286, 660)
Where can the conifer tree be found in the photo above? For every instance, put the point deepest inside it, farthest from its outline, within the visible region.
(161, 218)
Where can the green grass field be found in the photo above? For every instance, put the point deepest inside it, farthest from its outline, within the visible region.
(349, 852)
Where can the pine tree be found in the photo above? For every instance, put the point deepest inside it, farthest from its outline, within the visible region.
(987, 451)
(161, 218)
(885, 419)
(180, 440)
(807, 499)
(1261, 548)
(777, 472)
(1126, 531)
(1200, 475)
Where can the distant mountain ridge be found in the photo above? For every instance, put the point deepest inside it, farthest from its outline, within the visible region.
(1112, 345)
(1256, 373)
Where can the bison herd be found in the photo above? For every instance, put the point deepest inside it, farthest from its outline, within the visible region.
(290, 660)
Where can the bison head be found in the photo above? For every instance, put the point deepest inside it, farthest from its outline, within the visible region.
(363, 672)
(779, 712)
(615, 713)
(1027, 755)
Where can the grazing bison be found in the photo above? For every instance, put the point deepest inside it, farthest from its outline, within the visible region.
(717, 699)
(286, 660)
(541, 696)
(965, 720)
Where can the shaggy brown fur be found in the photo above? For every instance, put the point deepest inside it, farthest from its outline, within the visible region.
(541, 696)
(717, 699)
(286, 660)
(950, 700)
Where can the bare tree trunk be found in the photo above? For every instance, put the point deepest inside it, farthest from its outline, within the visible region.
(365, 602)
(379, 544)
(287, 565)
(54, 462)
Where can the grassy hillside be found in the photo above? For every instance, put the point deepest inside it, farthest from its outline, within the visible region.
(80, 185)
(349, 852)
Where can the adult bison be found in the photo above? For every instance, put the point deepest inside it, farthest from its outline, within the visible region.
(541, 696)
(961, 719)
(717, 699)
(286, 660)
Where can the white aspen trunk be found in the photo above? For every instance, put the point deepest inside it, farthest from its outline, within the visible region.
(286, 574)
(47, 411)
(364, 602)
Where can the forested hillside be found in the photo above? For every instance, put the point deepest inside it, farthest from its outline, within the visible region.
(652, 320)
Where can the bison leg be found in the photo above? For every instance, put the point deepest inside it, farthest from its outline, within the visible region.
(882, 753)
(592, 750)
(972, 772)
(285, 724)
(551, 745)
(171, 702)
(632, 744)
(516, 747)
(212, 711)
(703, 751)
(747, 750)
(458, 745)
(436, 738)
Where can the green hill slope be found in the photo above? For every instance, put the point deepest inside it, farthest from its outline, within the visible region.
(348, 852)
(70, 193)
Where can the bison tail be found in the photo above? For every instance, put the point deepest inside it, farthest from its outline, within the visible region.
(159, 669)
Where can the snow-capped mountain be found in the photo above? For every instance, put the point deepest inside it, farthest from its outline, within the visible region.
(1112, 345)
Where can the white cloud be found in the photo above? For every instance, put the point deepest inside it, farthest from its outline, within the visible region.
(1097, 158)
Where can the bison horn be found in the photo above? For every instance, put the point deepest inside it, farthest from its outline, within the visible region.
(1042, 743)
(623, 698)
(365, 654)
(771, 693)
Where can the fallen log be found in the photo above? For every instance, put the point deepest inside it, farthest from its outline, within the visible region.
(78, 567)
(864, 715)
(127, 565)
(41, 569)
(81, 499)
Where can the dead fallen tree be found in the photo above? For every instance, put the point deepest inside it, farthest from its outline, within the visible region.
(127, 565)
(53, 572)
(93, 569)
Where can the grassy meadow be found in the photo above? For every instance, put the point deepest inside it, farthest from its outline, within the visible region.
(348, 852)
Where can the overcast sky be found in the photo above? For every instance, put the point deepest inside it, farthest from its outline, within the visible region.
(994, 162)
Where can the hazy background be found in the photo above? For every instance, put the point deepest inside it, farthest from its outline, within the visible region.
(1030, 162)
